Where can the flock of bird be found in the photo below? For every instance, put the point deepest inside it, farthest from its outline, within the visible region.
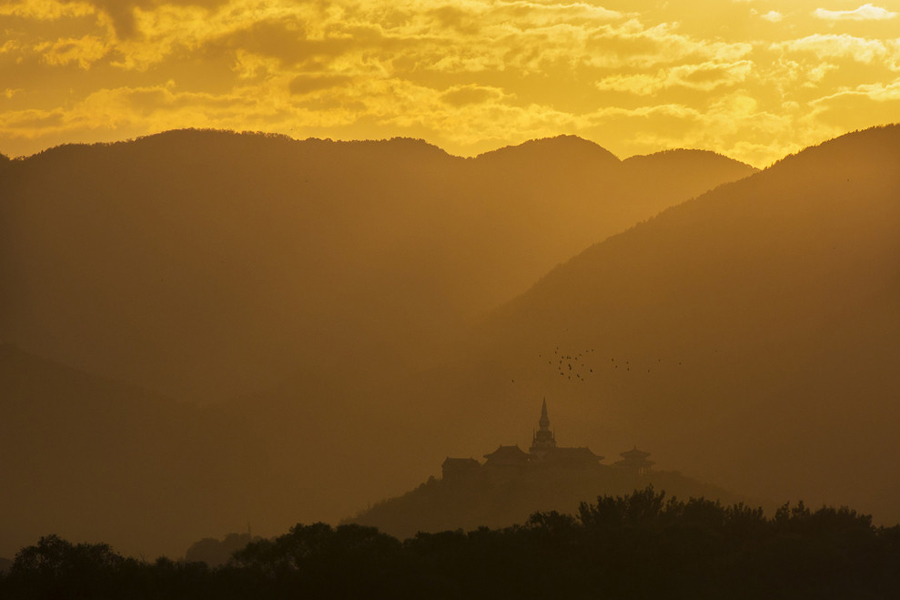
(569, 365)
(579, 366)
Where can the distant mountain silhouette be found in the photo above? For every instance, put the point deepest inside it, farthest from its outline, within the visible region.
(208, 264)
(752, 333)
(564, 152)
(95, 459)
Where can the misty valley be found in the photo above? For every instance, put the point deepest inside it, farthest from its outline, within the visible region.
(240, 365)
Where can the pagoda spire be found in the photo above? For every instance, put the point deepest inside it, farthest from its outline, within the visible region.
(543, 440)
(545, 420)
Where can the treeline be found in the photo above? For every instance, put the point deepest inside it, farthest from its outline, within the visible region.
(638, 546)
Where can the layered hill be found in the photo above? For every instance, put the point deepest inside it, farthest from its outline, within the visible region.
(750, 335)
(95, 459)
(499, 500)
(208, 264)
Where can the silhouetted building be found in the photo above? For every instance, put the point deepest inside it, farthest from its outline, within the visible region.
(510, 459)
(507, 456)
(545, 451)
(543, 440)
(635, 461)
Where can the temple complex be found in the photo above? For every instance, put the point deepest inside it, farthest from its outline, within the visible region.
(544, 452)
(514, 482)
(507, 456)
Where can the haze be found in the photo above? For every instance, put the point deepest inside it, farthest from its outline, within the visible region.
(207, 329)
(203, 330)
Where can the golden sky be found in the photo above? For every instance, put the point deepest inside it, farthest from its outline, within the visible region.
(753, 79)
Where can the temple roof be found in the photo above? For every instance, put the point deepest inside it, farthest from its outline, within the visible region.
(507, 454)
(634, 453)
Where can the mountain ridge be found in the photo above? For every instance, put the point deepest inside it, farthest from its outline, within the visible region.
(566, 145)
(841, 145)
(202, 231)
(532, 145)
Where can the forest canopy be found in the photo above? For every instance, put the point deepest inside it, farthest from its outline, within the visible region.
(642, 545)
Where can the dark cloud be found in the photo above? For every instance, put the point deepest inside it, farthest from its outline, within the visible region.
(284, 39)
(121, 12)
(459, 20)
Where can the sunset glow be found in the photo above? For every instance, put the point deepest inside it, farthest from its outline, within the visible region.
(752, 79)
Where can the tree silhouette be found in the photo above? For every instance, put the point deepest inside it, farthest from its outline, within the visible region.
(643, 545)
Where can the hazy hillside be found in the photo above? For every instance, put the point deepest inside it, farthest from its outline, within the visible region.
(208, 264)
(484, 501)
(751, 336)
(96, 459)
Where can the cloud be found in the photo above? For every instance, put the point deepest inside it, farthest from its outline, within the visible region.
(545, 14)
(467, 74)
(877, 92)
(860, 107)
(471, 94)
(859, 49)
(123, 13)
(9, 47)
(866, 12)
(32, 122)
(45, 10)
(705, 76)
(85, 51)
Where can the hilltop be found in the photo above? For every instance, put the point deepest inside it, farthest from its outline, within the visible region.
(512, 484)
(448, 505)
